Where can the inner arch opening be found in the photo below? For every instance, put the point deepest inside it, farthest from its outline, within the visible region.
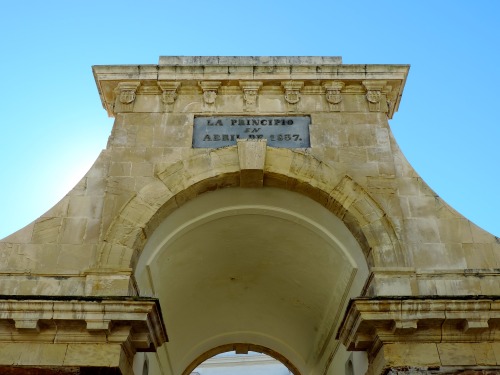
(242, 359)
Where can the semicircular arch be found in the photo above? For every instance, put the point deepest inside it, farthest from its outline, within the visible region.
(220, 168)
(234, 347)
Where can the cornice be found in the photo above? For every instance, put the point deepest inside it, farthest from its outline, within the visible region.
(314, 75)
(134, 321)
(369, 323)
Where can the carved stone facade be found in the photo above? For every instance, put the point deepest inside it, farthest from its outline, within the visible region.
(333, 257)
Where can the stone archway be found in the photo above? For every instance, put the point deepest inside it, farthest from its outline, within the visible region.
(264, 266)
(220, 168)
(253, 165)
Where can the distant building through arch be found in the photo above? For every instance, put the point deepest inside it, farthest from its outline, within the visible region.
(249, 364)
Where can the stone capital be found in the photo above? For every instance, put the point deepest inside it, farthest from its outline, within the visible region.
(250, 93)
(292, 93)
(210, 89)
(374, 94)
(169, 93)
(125, 96)
(333, 94)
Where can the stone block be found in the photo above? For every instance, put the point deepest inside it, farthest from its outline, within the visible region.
(484, 354)
(361, 118)
(154, 194)
(353, 156)
(252, 156)
(416, 354)
(382, 156)
(391, 285)
(386, 169)
(421, 230)
(455, 230)
(137, 213)
(142, 169)
(32, 354)
(479, 235)
(97, 355)
(47, 230)
(60, 209)
(436, 256)
(456, 354)
(383, 137)
(278, 161)
(120, 169)
(120, 186)
(95, 186)
(225, 159)
(87, 206)
(421, 206)
(479, 255)
(73, 230)
(302, 168)
(146, 135)
(25, 257)
(92, 231)
(72, 258)
(488, 283)
(495, 346)
(361, 136)
(117, 284)
(456, 255)
(456, 286)
(408, 186)
(6, 251)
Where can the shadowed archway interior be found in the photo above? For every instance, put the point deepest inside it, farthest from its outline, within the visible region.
(263, 266)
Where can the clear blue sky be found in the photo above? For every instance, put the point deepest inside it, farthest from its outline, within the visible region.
(53, 126)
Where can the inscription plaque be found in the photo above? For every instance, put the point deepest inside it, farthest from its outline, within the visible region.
(280, 131)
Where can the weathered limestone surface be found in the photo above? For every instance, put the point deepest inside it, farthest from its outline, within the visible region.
(415, 245)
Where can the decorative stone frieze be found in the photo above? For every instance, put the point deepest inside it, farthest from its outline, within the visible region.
(210, 89)
(292, 93)
(279, 77)
(169, 93)
(125, 96)
(374, 95)
(333, 95)
(250, 94)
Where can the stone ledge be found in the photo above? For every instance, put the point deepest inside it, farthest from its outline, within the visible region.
(135, 322)
(370, 323)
